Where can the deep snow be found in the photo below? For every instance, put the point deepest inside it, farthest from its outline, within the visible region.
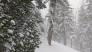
(55, 47)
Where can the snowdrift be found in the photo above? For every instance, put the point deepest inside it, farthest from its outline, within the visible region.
(55, 47)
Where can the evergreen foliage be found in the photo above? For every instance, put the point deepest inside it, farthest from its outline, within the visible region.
(18, 25)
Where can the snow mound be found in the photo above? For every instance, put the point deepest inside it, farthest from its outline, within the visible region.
(55, 47)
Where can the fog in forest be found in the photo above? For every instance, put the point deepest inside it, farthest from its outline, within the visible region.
(45, 25)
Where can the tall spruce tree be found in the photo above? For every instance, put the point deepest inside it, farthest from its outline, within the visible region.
(18, 25)
(58, 11)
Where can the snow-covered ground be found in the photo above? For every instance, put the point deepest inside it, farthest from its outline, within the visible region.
(55, 47)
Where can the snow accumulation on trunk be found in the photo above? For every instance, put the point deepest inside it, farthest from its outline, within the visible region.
(55, 47)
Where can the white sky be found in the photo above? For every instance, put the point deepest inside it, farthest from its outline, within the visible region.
(75, 3)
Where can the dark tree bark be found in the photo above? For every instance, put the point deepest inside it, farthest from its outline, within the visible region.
(50, 32)
(52, 16)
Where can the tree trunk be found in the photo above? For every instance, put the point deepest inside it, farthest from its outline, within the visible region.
(52, 16)
(64, 31)
(50, 33)
(65, 38)
(71, 42)
(90, 49)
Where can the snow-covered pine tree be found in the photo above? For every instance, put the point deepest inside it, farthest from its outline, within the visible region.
(58, 10)
(18, 25)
